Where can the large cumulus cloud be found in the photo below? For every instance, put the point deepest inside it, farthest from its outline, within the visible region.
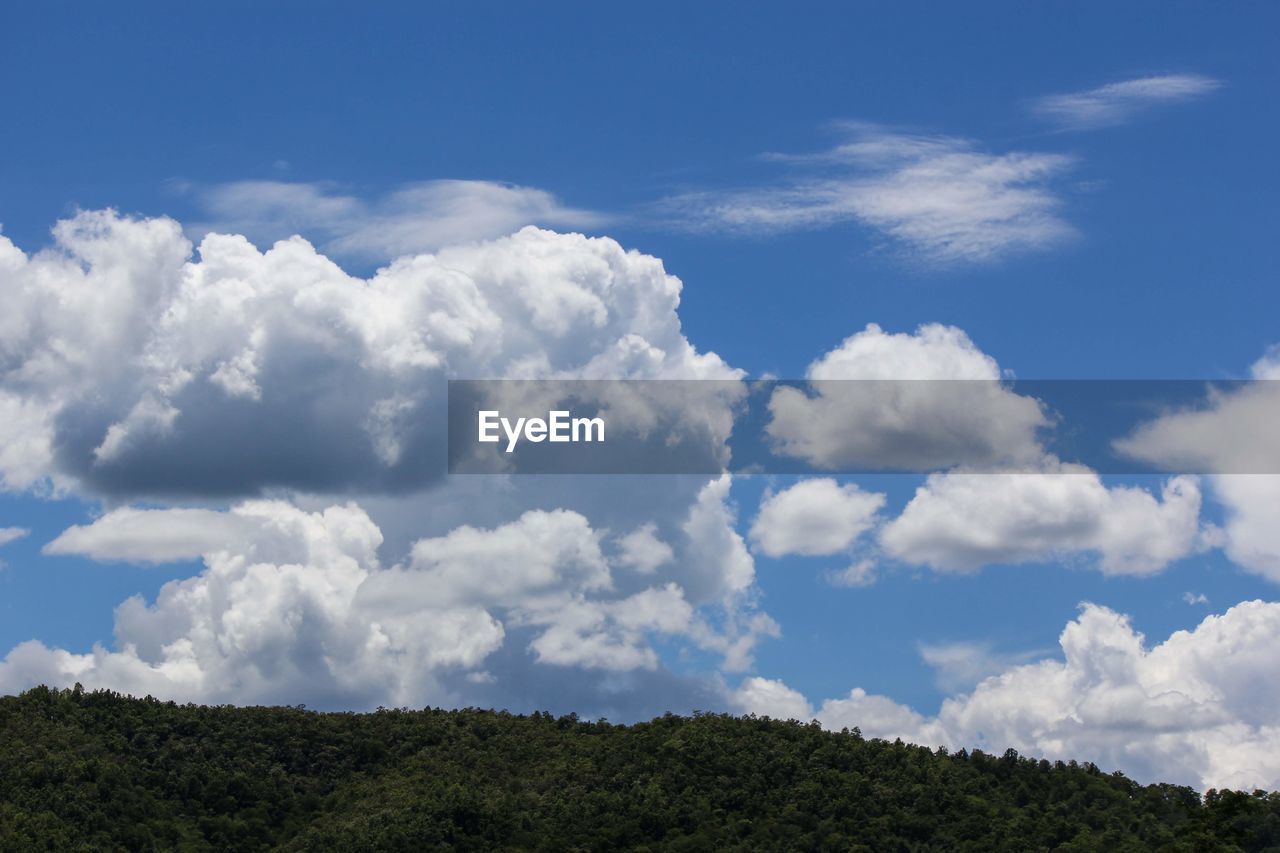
(291, 603)
(134, 366)
(130, 366)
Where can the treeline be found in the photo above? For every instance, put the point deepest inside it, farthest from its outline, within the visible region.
(99, 771)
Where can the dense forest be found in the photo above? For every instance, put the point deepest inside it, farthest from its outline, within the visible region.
(99, 771)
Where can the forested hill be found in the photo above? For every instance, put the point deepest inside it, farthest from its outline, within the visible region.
(98, 771)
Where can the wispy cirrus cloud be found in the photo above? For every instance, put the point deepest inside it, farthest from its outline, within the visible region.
(962, 665)
(941, 197)
(11, 534)
(1118, 102)
(413, 218)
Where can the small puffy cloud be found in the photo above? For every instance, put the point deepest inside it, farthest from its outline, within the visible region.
(1116, 103)
(151, 536)
(1251, 529)
(814, 518)
(879, 716)
(771, 698)
(1194, 598)
(719, 568)
(933, 351)
(1200, 708)
(643, 550)
(1267, 367)
(415, 218)
(723, 565)
(26, 440)
(857, 574)
(941, 197)
(891, 401)
(1230, 432)
(612, 635)
(545, 570)
(12, 534)
(959, 522)
(539, 554)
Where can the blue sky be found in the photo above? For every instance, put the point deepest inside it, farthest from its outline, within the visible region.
(613, 112)
(1085, 190)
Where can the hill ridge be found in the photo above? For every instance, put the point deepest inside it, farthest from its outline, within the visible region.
(89, 770)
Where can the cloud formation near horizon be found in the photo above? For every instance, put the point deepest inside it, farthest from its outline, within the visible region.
(1200, 708)
(291, 603)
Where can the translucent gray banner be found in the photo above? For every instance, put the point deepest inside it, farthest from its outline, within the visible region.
(863, 426)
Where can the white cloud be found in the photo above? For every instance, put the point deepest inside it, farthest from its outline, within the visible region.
(960, 522)
(772, 698)
(814, 518)
(611, 635)
(721, 564)
(1251, 530)
(1201, 708)
(960, 666)
(1116, 103)
(962, 415)
(1267, 367)
(544, 570)
(272, 617)
(857, 574)
(920, 419)
(643, 550)
(933, 351)
(152, 536)
(128, 368)
(1194, 598)
(26, 440)
(12, 534)
(132, 368)
(939, 196)
(540, 554)
(720, 568)
(415, 218)
(294, 606)
(1231, 433)
(880, 716)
